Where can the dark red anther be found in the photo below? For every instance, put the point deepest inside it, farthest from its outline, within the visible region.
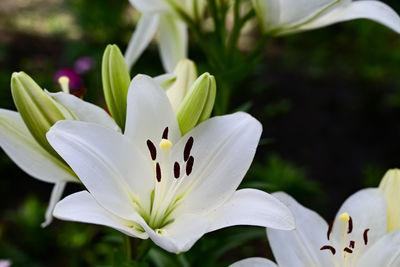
(330, 230)
(352, 244)
(350, 225)
(165, 133)
(152, 149)
(347, 250)
(188, 147)
(332, 249)
(177, 170)
(365, 236)
(158, 172)
(189, 165)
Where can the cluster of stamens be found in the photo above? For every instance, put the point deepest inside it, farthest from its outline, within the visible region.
(346, 220)
(166, 191)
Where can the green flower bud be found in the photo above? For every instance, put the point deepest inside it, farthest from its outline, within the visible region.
(198, 103)
(38, 110)
(116, 79)
(186, 74)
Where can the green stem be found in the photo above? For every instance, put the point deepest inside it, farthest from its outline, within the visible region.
(128, 247)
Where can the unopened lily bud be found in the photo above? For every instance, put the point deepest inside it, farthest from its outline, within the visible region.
(116, 79)
(186, 74)
(198, 103)
(38, 110)
(390, 186)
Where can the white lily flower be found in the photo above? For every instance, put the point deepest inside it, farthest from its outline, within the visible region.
(19, 144)
(356, 238)
(159, 16)
(288, 16)
(153, 182)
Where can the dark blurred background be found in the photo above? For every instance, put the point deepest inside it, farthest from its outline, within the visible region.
(328, 100)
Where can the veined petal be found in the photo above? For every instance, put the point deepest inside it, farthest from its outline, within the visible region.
(367, 209)
(82, 207)
(56, 195)
(149, 113)
(172, 40)
(366, 9)
(300, 247)
(108, 164)
(141, 38)
(252, 207)
(223, 150)
(24, 150)
(181, 234)
(385, 252)
(85, 111)
(254, 262)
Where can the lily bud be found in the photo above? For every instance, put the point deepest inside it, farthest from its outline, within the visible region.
(390, 187)
(186, 74)
(116, 79)
(198, 103)
(38, 110)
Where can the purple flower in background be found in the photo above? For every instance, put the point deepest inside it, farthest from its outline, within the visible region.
(5, 263)
(75, 80)
(83, 64)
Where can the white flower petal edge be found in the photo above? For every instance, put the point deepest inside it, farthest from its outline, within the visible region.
(85, 111)
(254, 262)
(24, 150)
(82, 207)
(252, 207)
(365, 9)
(300, 247)
(56, 195)
(141, 38)
(172, 41)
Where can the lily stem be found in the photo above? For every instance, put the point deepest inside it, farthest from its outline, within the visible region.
(128, 247)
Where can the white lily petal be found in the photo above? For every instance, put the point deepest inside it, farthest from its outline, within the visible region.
(367, 209)
(252, 207)
(145, 6)
(149, 112)
(365, 9)
(223, 150)
(254, 262)
(172, 40)
(82, 207)
(108, 164)
(165, 80)
(285, 13)
(85, 111)
(141, 38)
(385, 252)
(24, 150)
(56, 195)
(181, 234)
(300, 247)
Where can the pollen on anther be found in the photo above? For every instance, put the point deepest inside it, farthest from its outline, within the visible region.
(352, 244)
(189, 165)
(158, 172)
(177, 170)
(332, 249)
(152, 149)
(165, 133)
(329, 230)
(365, 236)
(188, 148)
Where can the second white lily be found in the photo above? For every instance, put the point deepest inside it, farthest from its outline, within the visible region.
(152, 182)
